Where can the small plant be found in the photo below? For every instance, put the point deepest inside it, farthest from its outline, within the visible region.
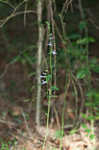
(59, 134)
(88, 132)
(4, 146)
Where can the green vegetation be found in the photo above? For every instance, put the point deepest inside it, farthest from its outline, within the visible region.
(69, 71)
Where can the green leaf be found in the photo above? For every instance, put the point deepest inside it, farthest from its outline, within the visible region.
(93, 61)
(90, 93)
(92, 136)
(82, 25)
(54, 88)
(23, 60)
(88, 130)
(96, 94)
(91, 117)
(89, 104)
(97, 117)
(48, 77)
(15, 59)
(29, 60)
(85, 40)
(95, 68)
(74, 36)
(84, 116)
(82, 73)
(84, 126)
(59, 134)
(27, 100)
(73, 131)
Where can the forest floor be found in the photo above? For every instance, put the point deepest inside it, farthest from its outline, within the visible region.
(20, 133)
(18, 130)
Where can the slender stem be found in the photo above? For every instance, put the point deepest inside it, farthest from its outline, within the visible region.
(39, 57)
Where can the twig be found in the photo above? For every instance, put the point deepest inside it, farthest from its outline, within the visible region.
(91, 18)
(7, 3)
(82, 97)
(9, 123)
(27, 127)
(5, 71)
(65, 6)
(4, 21)
(81, 9)
(76, 100)
(26, 6)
